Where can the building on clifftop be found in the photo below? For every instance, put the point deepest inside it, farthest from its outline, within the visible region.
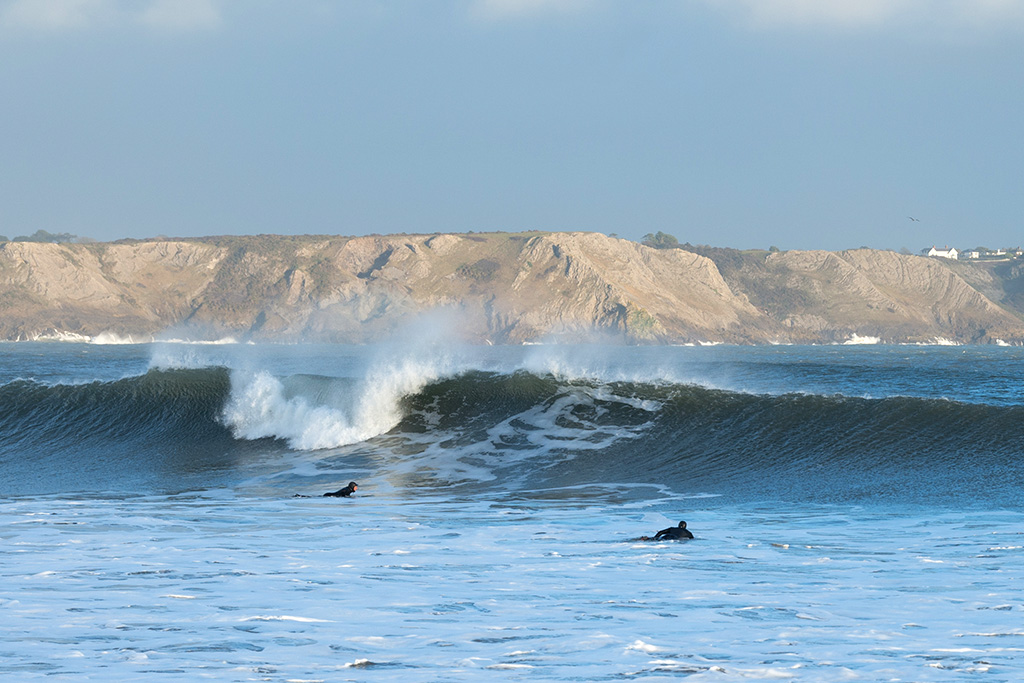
(948, 252)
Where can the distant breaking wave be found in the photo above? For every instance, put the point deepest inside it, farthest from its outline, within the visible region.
(114, 339)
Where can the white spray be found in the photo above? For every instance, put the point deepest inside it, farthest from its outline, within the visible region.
(352, 410)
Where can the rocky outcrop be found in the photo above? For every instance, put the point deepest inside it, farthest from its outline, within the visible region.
(879, 293)
(88, 289)
(502, 288)
(820, 296)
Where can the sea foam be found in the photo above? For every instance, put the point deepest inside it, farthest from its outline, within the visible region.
(311, 416)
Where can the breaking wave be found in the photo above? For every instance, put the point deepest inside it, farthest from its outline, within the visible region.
(520, 428)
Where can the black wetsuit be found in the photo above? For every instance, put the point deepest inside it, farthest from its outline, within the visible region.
(344, 492)
(674, 533)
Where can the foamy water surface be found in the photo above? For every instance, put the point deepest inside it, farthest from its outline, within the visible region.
(493, 536)
(546, 587)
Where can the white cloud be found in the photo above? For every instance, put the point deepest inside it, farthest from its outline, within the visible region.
(990, 11)
(56, 14)
(836, 14)
(856, 14)
(503, 9)
(77, 15)
(181, 14)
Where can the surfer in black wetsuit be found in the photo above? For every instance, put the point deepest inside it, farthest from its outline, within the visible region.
(343, 492)
(673, 533)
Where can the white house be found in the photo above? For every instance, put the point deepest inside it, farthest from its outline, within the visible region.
(948, 252)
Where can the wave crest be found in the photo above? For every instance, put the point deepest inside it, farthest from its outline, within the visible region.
(313, 412)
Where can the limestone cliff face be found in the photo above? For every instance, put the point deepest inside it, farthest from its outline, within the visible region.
(820, 296)
(504, 288)
(880, 293)
(88, 289)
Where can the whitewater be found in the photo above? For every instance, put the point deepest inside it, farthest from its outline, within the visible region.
(857, 512)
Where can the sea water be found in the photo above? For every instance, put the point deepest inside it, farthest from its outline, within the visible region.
(857, 513)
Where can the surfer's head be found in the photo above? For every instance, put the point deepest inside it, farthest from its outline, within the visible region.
(682, 525)
(352, 485)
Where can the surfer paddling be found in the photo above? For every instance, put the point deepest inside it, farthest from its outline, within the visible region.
(673, 533)
(344, 492)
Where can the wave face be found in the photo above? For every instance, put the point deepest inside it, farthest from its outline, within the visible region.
(699, 440)
(170, 430)
(129, 434)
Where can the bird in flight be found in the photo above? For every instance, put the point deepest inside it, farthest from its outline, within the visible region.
(916, 220)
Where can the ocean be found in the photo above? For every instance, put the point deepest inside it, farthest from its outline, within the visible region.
(857, 512)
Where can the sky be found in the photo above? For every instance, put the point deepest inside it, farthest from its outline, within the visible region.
(801, 124)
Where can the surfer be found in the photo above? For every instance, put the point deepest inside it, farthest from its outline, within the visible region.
(673, 533)
(343, 492)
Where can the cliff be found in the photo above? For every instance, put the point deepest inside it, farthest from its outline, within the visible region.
(820, 296)
(504, 288)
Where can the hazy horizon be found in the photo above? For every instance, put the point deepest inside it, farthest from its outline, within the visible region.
(86, 239)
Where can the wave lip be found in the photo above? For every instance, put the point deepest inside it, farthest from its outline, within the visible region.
(315, 413)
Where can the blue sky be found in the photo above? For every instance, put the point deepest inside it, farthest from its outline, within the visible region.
(804, 124)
